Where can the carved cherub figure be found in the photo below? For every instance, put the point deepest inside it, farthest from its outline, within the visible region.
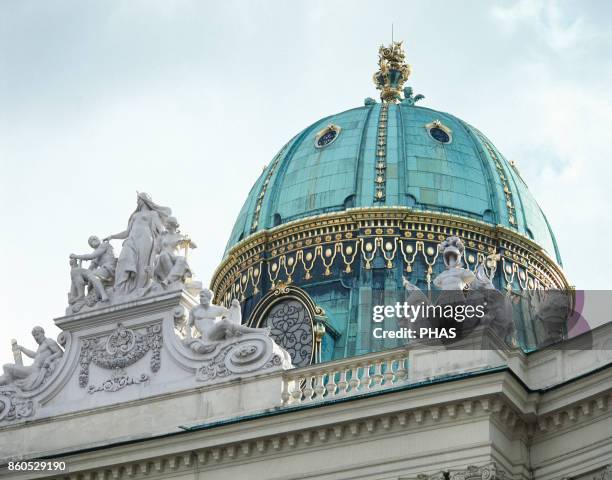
(45, 356)
(411, 99)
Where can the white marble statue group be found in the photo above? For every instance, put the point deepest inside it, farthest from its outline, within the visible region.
(112, 352)
(149, 261)
(111, 356)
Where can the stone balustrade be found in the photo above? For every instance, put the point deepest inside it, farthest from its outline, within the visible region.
(353, 376)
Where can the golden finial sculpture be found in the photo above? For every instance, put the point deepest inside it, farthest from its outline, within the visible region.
(393, 72)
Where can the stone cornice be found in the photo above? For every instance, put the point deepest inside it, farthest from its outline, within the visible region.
(484, 398)
(122, 312)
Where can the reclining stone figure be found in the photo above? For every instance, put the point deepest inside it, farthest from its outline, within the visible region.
(214, 323)
(45, 358)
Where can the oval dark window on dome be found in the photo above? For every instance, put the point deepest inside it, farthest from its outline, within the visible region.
(440, 135)
(327, 138)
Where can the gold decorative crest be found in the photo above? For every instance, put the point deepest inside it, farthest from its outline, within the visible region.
(393, 72)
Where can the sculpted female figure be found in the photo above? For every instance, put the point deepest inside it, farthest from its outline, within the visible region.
(135, 264)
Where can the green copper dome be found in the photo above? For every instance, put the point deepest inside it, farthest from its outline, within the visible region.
(392, 155)
(359, 203)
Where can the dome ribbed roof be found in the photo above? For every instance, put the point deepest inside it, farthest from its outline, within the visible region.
(467, 177)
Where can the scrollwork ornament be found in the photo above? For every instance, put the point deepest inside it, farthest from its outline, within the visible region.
(472, 472)
(275, 361)
(121, 341)
(246, 351)
(155, 340)
(291, 327)
(215, 368)
(281, 289)
(244, 356)
(13, 406)
(122, 348)
(119, 380)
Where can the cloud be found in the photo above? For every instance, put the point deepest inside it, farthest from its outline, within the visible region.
(561, 119)
(547, 21)
(188, 100)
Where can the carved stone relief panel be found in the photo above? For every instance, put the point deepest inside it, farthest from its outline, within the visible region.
(251, 352)
(122, 348)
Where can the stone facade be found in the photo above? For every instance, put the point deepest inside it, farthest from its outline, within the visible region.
(545, 416)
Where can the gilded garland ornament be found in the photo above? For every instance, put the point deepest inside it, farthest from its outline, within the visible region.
(308, 240)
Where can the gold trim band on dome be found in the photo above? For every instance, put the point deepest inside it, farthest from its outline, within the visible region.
(502, 177)
(328, 239)
(264, 187)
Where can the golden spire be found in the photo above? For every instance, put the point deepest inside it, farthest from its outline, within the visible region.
(393, 72)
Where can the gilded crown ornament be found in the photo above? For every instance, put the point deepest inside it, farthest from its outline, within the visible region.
(393, 72)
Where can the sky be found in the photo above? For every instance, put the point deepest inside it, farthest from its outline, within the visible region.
(188, 100)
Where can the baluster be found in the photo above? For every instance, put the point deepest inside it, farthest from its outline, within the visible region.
(285, 396)
(331, 383)
(377, 377)
(354, 382)
(342, 383)
(381, 371)
(401, 373)
(296, 393)
(365, 383)
(308, 390)
(389, 372)
(319, 389)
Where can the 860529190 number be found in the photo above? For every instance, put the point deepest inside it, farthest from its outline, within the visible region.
(26, 466)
